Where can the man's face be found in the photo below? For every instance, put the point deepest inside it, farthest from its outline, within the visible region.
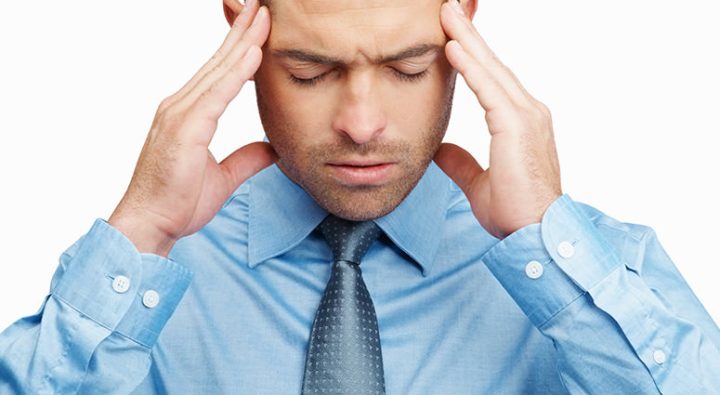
(355, 97)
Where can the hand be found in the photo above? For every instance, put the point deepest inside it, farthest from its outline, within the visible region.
(523, 177)
(178, 186)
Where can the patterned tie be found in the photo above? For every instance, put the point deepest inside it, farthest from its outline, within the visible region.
(344, 352)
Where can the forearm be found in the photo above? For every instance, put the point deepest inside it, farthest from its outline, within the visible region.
(613, 303)
(94, 330)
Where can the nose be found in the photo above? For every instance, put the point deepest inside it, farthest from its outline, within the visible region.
(360, 115)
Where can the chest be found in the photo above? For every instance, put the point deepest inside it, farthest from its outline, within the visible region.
(245, 331)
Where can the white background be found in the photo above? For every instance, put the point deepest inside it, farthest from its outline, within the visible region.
(633, 88)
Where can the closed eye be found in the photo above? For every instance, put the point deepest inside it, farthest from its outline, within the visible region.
(306, 82)
(410, 77)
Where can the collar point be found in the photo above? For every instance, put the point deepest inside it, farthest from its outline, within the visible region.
(252, 263)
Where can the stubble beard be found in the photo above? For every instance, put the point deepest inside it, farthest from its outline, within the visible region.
(307, 168)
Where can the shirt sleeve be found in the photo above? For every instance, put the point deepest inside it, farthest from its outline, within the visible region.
(95, 330)
(620, 315)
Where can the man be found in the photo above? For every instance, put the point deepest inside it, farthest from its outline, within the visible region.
(355, 99)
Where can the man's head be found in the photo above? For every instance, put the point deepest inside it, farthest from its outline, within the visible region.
(355, 97)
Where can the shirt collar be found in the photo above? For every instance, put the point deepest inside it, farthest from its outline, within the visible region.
(282, 214)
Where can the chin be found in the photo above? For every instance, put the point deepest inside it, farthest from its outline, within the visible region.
(355, 203)
(361, 204)
(356, 213)
(360, 214)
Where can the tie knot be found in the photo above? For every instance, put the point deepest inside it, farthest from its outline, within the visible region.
(349, 240)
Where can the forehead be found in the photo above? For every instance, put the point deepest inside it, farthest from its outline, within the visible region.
(355, 29)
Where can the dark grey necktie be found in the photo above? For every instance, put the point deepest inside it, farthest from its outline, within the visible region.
(344, 352)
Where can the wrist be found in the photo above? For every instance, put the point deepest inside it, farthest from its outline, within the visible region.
(146, 237)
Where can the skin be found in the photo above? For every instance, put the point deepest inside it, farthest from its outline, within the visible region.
(523, 177)
(360, 108)
(360, 113)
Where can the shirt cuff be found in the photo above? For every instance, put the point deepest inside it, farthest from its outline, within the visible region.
(109, 281)
(546, 266)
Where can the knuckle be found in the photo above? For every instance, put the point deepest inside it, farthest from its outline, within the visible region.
(543, 110)
(535, 112)
(503, 67)
(170, 119)
(217, 56)
(221, 65)
(207, 93)
(541, 117)
(205, 111)
(165, 104)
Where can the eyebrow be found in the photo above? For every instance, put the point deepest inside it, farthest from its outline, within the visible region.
(312, 57)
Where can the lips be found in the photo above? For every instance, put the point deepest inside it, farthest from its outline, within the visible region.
(362, 172)
(359, 162)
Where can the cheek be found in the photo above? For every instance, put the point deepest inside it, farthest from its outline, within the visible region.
(287, 122)
(418, 109)
(303, 111)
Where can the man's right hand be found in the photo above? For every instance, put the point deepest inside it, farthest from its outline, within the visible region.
(178, 186)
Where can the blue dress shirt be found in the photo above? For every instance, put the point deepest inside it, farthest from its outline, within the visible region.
(579, 303)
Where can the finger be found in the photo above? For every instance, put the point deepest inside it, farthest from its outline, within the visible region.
(202, 117)
(246, 162)
(487, 89)
(460, 28)
(240, 25)
(460, 166)
(255, 35)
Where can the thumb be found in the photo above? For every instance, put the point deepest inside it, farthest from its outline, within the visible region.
(246, 161)
(459, 165)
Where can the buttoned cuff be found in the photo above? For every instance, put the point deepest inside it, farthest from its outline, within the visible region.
(110, 282)
(548, 265)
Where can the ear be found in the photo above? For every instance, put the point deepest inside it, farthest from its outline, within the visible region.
(469, 6)
(232, 8)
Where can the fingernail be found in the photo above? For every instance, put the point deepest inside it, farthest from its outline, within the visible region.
(455, 5)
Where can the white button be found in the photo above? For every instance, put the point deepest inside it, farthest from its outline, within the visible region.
(659, 357)
(534, 269)
(151, 298)
(121, 284)
(565, 249)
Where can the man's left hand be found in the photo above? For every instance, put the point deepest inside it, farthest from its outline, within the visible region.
(523, 177)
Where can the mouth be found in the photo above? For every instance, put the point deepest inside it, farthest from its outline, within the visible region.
(364, 172)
